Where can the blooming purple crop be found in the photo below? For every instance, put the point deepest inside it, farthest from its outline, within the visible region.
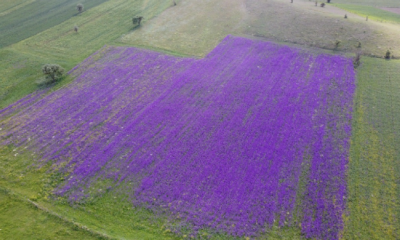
(224, 142)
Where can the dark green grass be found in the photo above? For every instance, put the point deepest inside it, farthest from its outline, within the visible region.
(373, 13)
(36, 17)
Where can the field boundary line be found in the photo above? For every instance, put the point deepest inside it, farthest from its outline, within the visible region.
(52, 213)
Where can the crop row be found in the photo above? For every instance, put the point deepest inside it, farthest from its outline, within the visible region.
(253, 135)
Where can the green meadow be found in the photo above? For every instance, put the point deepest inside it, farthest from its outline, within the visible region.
(373, 180)
(22, 19)
(20, 63)
(373, 13)
(375, 3)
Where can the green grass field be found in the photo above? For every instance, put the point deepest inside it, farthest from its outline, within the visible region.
(373, 13)
(21, 220)
(376, 3)
(20, 20)
(20, 64)
(373, 172)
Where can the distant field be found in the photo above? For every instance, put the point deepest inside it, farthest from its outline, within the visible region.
(196, 27)
(373, 13)
(20, 65)
(376, 3)
(373, 172)
(27, 19)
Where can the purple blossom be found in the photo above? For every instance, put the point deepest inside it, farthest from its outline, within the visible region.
(223, 141)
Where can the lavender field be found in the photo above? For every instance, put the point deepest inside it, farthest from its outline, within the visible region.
(254, 135)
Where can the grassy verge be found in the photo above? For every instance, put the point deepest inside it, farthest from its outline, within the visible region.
(107, 217)
(373, 13)
(373, 180)
(20, 21)
(22, 220)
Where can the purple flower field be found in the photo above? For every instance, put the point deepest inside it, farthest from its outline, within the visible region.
(253, 135)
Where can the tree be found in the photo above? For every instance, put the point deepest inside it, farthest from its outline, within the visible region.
(52, 72)
(337, 43)
(387, 55)
(137, 20)
(79, 7)
(357, 60)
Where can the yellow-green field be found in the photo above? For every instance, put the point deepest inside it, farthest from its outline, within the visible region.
(373, 13)
(376, 3)
(21, 220)
(373, 171)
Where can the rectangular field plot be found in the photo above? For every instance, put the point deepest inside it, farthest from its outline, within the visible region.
(252, 136)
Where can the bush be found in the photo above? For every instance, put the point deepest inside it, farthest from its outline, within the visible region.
(79, 7)
(337, 44)
(357, 60)
(52, 72)
(387, 55)
(322, 4)
(136, 20)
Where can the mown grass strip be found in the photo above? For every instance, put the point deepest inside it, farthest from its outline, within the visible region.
(375, 3)
(373, 13)
(27, 19)
(373, 181)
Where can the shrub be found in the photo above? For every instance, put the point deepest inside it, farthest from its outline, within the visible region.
(52, 72)
(322, 4)
(79, 7)
(387, 55)
(337, 44)
(136, 20)
(357, 60)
